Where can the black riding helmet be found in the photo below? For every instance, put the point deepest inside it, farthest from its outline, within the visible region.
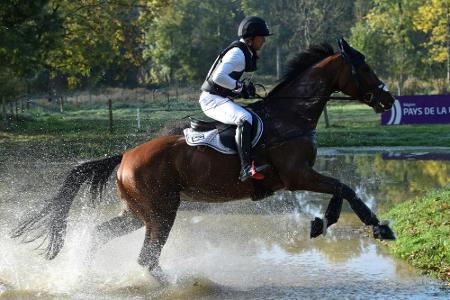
(253, 26)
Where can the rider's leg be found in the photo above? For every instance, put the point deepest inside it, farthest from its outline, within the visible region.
(243, 142)
(226, 111)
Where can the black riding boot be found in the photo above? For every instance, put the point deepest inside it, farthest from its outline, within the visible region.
(243, 141)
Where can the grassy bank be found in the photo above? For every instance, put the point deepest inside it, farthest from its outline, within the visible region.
(84, 131)
(422, 226)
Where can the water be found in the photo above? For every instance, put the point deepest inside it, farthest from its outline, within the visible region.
(237, 250)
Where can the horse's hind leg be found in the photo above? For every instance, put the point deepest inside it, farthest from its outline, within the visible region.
(121, 225)
(157, 229)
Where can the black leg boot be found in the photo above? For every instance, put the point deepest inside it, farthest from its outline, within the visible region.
(243, 133)
(243, 142)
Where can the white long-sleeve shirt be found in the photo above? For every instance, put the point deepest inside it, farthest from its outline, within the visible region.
(232, 61)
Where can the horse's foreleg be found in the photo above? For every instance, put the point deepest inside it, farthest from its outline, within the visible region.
(313, 181)
(319, 226)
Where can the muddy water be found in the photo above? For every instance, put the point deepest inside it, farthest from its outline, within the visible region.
(238, 250)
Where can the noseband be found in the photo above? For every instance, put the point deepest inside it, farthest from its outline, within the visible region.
(366, 91)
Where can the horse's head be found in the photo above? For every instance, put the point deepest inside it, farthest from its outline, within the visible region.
(359, 80)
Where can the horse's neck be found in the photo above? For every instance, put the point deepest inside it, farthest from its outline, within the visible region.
(300, 103)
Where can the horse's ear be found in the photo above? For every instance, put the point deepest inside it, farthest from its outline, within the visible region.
(350, 54)
(344, 47)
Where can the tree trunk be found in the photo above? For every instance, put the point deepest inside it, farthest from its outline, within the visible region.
(278, 63)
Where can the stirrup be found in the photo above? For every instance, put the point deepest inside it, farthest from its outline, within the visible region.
(253, 172)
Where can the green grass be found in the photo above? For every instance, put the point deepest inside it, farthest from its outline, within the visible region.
(83, 131)
(422, 226)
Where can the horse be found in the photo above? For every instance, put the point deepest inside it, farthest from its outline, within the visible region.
(154, 177)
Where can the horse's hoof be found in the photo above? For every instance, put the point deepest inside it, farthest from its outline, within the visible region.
(316, 227)
(382, 231)
(159, 275)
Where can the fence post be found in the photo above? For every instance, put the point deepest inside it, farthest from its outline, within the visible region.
(61, 104)
(138, 119)
(5, 118)
(110, 116)
(11, 108)
(16, 110)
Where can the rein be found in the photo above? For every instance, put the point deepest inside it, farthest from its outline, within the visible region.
(264, 98)
(307, 97)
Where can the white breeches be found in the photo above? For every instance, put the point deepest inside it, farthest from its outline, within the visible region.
(223, 109)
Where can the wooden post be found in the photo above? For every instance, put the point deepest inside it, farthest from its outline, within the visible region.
(5, 117)
(110, 116)
(61, 104)
(138, 119)
(168, 99)
(11, 108)
(16, 110)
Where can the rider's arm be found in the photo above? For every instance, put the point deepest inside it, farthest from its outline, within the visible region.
(233, 61)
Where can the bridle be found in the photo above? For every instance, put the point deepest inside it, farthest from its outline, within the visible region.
(366, 91)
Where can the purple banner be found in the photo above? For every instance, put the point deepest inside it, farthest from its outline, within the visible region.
(434, 109)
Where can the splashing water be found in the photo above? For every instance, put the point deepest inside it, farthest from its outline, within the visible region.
(227, 251)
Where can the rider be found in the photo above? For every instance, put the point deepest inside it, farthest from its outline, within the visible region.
(223, 84)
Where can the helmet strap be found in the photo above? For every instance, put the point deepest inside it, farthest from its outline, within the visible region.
(249, 42)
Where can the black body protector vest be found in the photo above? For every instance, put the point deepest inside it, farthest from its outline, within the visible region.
(250, 66)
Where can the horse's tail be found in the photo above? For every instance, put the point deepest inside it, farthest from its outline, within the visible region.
(50, 223)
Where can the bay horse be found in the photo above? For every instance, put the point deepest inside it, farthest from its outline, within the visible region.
(154, 177)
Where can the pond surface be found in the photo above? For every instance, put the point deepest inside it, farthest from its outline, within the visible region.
(237, 250)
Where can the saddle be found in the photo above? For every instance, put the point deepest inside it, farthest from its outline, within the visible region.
(219, 136)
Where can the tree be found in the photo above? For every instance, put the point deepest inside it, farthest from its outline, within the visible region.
(184, 40)
(29, 30)
(298, 24)
(389, 24)
(100, 42)
(433, 18)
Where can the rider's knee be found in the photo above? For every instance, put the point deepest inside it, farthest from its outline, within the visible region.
(244, 117)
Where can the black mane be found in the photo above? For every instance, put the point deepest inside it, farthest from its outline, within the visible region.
(302, 61)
